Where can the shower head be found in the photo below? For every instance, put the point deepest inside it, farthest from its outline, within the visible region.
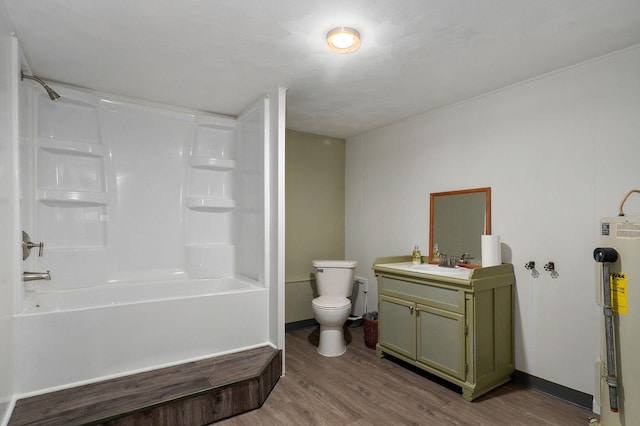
(52, 94)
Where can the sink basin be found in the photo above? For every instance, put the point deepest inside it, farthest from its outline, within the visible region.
(456, 272)
(427, 268)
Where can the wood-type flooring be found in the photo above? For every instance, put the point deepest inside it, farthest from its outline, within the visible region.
(358, 389)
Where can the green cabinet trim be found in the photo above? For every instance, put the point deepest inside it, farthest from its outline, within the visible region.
(458, 329)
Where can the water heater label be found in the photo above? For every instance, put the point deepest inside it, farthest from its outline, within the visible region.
(628, 230)
(619, 293)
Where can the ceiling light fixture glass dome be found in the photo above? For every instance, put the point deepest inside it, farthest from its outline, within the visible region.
(343, 40)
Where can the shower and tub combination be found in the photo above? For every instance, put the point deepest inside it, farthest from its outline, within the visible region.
(155, 226)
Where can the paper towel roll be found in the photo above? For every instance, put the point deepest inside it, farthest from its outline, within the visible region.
(491, 252)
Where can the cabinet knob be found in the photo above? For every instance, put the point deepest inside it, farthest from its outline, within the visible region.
(410, 309)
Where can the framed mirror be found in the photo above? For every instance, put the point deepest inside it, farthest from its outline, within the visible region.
(457, 219)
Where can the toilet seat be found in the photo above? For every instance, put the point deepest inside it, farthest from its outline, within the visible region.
(330, 302)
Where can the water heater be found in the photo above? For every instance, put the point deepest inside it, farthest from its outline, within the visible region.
(618, 376)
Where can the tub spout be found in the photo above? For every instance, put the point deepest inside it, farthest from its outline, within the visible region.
(33, 276)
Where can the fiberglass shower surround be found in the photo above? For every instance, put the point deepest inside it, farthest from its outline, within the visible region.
(120, 191)
(154, 229)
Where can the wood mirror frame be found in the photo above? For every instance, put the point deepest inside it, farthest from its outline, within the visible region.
(458, 219)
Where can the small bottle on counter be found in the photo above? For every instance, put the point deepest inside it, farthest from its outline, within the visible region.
(436, 253)
(417, 256)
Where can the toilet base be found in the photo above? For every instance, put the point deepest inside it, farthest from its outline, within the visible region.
(332, 341)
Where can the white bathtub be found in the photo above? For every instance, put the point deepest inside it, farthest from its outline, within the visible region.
(70, 337)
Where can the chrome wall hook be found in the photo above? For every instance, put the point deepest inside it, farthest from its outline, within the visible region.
(551, 267)
(531, 265)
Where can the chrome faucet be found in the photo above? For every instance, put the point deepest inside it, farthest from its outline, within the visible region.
(453, 261)
(27, 245)
(448, 261)
(33, 276)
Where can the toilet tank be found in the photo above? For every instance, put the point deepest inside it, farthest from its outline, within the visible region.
(334, 277)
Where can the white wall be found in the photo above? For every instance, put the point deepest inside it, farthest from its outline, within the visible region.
(559, 152)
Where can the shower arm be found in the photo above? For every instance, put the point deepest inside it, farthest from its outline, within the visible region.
(52, 94)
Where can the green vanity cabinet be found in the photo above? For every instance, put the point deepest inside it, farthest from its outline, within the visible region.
(455, 326)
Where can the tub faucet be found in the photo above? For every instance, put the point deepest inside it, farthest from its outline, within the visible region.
(33, 276)
(27, 245)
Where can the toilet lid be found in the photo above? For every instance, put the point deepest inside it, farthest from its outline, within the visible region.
(331, 302)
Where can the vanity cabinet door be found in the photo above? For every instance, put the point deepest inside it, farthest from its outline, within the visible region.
(441, 340)
(397, 325)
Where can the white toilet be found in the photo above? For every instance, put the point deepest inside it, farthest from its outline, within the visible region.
(332, 307)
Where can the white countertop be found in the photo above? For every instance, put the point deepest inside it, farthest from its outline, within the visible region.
(429, 269)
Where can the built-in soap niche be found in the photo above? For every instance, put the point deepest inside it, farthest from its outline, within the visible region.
(70, 170)
(210, 249)
(204, 227)
(214, 138)
(212, 183)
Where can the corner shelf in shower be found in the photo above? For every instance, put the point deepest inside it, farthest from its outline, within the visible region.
(210, 204)
(62, 198)
(210, 163)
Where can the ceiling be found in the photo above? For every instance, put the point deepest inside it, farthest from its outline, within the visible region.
(221, 55)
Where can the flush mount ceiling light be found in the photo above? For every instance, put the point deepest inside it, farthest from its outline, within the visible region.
(343, 40)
